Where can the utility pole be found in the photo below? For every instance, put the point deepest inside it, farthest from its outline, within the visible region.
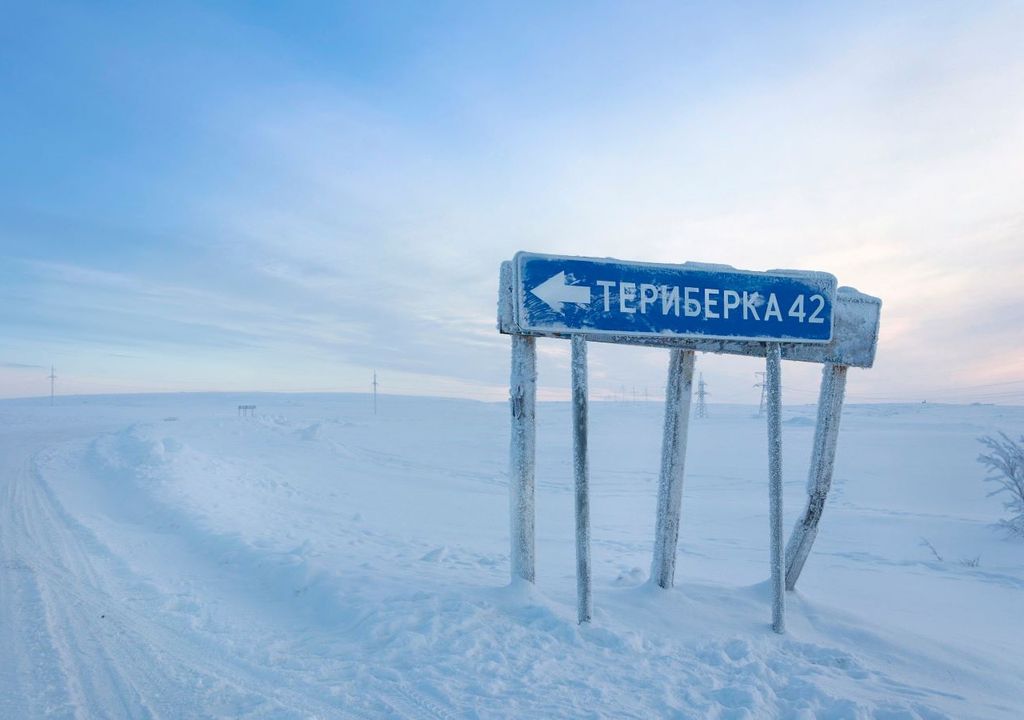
(53, 376)
(764, 388)
(374, 384)
(702, 394)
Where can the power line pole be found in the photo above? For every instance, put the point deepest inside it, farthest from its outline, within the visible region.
(764, 389)
(374, 392)
(53, 376)
(702, 394)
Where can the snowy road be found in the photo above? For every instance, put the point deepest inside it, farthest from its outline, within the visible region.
(75, 649)
(83, 637)
(34, 680)
(161, 558)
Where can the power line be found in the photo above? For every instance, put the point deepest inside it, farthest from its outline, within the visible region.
(702, 393)
(374, 383)
(764, 389)
(985, 385)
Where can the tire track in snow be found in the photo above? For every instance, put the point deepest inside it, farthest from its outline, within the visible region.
(91, 636)
(30, 682)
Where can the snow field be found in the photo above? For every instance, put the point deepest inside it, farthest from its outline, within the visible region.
(317, 561)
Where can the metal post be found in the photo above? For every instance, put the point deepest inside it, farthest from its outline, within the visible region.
(374, 392)
(760, 384)
(581, 473)
(819, 477)
(774, 382)
(523, 400)
(673, 457)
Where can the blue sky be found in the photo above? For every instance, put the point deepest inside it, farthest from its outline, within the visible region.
(258, 196)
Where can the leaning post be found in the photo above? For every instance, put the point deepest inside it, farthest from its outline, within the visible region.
(819, 477)
(774, 380)
(581, 473)
(523, 401)
(673, 458)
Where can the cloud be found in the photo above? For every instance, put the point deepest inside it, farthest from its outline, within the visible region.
(327, 223)
(889, 161)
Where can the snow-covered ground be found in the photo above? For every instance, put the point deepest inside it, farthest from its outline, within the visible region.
(162, 557)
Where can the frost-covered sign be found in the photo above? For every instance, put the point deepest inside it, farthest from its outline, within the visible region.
(687, 308)
(566, 295)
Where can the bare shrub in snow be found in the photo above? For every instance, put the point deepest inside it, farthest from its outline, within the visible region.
(971, 562)
(1005, 462)
(926, 543)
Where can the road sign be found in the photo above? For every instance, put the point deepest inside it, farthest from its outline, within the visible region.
(567, 295)
(780, 314)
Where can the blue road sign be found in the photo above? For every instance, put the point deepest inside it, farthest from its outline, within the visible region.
(565, 295)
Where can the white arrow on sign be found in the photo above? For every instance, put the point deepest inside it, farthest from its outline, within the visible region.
(554, 291)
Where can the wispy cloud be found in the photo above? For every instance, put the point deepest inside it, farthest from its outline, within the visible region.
(324, 218)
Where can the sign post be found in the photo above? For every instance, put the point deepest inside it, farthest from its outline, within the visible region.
(819, 480)
(774, 380)
(581, 474)
(778, 315)
(523, 398)
(673, 457)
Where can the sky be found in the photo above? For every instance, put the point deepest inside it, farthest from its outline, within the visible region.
(291, 196)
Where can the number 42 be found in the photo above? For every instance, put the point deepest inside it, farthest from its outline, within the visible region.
(797, 311)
